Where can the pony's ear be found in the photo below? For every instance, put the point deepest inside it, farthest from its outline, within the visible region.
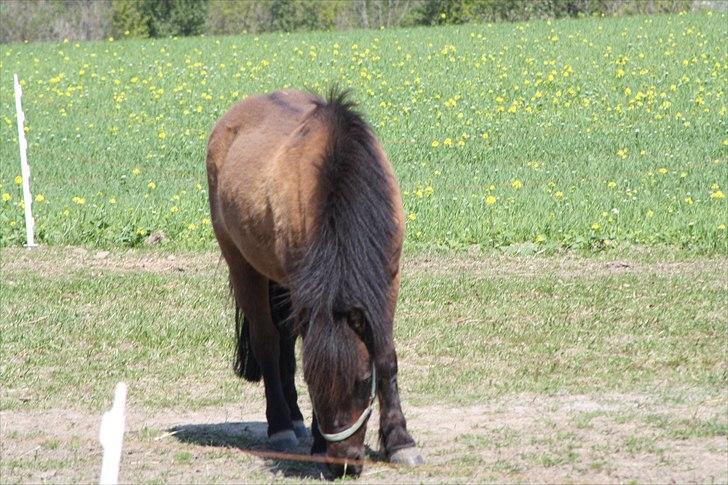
(356, 320)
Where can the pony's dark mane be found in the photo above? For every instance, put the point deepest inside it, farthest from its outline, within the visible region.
(347, 263)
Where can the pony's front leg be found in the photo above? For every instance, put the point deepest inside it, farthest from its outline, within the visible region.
(318, 448)
(393, 434)
(251, 292)
(266, 348)
(281, 312)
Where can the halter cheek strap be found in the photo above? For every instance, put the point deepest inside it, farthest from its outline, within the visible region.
(342, 435)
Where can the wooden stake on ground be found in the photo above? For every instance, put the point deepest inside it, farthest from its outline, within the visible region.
(24, 167)
(111, 436)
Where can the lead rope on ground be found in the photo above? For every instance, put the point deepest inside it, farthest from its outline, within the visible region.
(304, 458)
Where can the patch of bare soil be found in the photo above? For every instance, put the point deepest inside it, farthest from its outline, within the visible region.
(58, 261)
(564, 266)
(531, 438)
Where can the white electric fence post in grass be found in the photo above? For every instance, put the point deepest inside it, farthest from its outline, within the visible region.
(24, 167)
(111, 436)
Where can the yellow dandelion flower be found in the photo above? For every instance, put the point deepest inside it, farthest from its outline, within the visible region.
(135, 171)
(559, 195)
(595, 227)
(152, 185)
(112, 200)
(447, 142)
(540, 238)
(517, 184)
(412, 216)
(174, 209)
(18, 180)
(718, 194)
(78, 200)
(191, 227)
(435, 143)
(662, 171)
(721, 227)
(650, 214)
(689, 200)
(622, 153)
(205, 221)
(491, 199)
(7, 197)
(612, 184)
(39, 198)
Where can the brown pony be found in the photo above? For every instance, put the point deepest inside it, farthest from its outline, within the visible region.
(309, 218)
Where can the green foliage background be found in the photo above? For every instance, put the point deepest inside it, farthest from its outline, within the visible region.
(158, 18)
(28, 20)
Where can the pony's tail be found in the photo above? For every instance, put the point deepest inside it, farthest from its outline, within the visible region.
(244, 364)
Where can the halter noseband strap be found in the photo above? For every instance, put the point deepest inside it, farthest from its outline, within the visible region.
(342, 435)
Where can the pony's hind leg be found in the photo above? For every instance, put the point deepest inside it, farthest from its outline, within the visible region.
(251, 293)
(280, 305)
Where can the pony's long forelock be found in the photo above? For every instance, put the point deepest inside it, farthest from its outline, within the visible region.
(347, 262)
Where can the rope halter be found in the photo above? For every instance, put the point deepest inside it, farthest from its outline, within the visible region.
(342, 435)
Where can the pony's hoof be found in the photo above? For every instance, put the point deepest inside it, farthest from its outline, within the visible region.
(407, 456)
(300, 429)
(283, 440)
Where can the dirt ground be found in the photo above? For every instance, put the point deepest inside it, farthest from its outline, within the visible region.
(60, 261)
(669, 434)
(526, 438)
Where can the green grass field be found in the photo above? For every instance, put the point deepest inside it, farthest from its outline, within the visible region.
(546, 324)
(550, 369)
(580, 134)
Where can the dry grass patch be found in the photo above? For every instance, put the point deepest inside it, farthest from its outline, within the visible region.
(59, 261)
(533, 438)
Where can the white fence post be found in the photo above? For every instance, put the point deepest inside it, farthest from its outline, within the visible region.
(111, 436)
(24, 167)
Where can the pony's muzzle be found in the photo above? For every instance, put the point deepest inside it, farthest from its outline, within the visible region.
(344, 467)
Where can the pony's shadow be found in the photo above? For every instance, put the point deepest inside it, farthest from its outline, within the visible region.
(252, 437)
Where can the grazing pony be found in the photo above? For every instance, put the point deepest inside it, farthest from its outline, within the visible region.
(309, 219)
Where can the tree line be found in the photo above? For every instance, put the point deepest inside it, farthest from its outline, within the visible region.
(54, 20)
